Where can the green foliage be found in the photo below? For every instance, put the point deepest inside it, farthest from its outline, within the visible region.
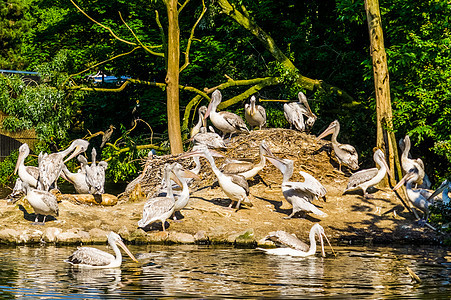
(441, 216)
(7, 168)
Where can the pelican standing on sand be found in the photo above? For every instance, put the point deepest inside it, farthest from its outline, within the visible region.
(345, 154)
(255, 115)
(28, 174)
(225, 121)
(248, 169)
(299, 194)
(369, 177)
(50, 165)
(294, 112)
(409, 163)
(201, 123)
(182, 199)
(234, 186)
(88, 257)
(43, 202)
(293, 245)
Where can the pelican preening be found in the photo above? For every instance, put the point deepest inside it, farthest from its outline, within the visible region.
(408, 163)
(95, 174)
(225, 121)
(51, 165)
(294, 112)
(210, 139)
(88, 257)
(299, 194)
(78, 179)
(43, 202)
(234, 186)
(245, 168)
(345, 154)
(255, 115)
(294, 246)
(369, 177)
(201, 123)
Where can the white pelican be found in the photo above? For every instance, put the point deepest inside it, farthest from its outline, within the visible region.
(26, 174)
(225, 121)
(294, 112)
(255, 115)
(79, 179)
(369, 177)
(44, 203)
(50, 165)
(418, 197)
(299, 194)
(345, 154)
(183, 197)
(246, 168)
(293, 245)
(234, 186)
(444, 188)
(95, 174)
(201, 123)
(88, 257)
(210, 139)
(159, 208)
(408, 163)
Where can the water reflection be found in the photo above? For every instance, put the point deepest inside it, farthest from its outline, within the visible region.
(199, 272)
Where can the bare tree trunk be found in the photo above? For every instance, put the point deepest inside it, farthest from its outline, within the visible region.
(385, 136)
(172, 78)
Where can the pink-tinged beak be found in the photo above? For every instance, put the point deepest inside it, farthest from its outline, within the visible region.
(329, 130)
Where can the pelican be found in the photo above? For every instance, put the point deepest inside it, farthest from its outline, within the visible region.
(234, 186)
(294, 246)
(159, 208)
(255, 114)
(201, 123)
(26, 174)
(225, 121)
(43, 202)
(95, 174)
(78, 179)
(345, 154)
(299, 194)
(88, 257)
(369, 177)
(408, 163)
(417, 196)
(50, 165)
(210, 139)
(183, 197)
(246, 168)
(107, 135)
(444, 188)
(294, 113)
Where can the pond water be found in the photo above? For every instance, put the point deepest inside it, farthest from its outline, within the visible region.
(213, 272)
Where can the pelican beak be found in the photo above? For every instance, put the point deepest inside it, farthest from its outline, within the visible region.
(266, 150)
(403, 180)
(387, 167)
(122, 245)
(323, 253)
(439, 190)
(78, 150)
(19, 159)
(208, 110)
(326, 132)
(191, 154)
(215, 153)
(278, 163)
(176, 179)
(327, 240)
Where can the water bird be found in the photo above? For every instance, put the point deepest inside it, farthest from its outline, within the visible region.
(181, 176)
(225, 121)
(408, 163)
(201, 122)
(107, 135)
(366, 178)
(88, 257)
(345, 154)
(43, 203)
(444, 188)
(255, 115)
(51, 165)
(294, 112)
(210, 139)
(299, 194)
(294, 246)
(95, 174)
(28, 174)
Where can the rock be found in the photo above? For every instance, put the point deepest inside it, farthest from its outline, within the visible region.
(73, 236)
(201, 237)
(137, 195)
(50, 234)
(98, 235)
(104, 199)
(181, 238)
(9, 236)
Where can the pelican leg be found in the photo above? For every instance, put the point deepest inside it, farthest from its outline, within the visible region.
(162, 224)
(238, 205)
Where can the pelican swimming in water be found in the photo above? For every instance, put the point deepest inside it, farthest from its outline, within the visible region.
(159, 208)
(408, 163)
(201, 123)
(225, 121)
(294, 112)
(28, 174)
(369, 177)
(255, 115)
(345, 154)
(234, 186)
(43, 202)
(246, 168)
(294, 246)
(417, 197)
(210, 139)
(51, 165)
(299, 194)
(88, 257)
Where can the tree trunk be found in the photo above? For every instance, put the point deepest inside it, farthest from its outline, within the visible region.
(385, 136)
(172, 78)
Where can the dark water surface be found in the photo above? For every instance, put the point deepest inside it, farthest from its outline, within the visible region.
(211, 272)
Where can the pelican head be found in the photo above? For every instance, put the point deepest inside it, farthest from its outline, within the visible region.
(216, 98)
(329, 130)
(446, 184)
(379, 157)
(286, 166)
(79, 146)
(252, 104)
(319, 230)
(264, 148)
(24, 150)
(412, 175)
(114, 238)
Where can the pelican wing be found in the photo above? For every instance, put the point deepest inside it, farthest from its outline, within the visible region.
(348, 148)
(33, 171)
(90, 256)
(155, 207)
(210, 139)
(237, 167)
(49, 200)
(241, 181)
(302, 189)
(234, 120)
(281, 237)
(360, 177)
